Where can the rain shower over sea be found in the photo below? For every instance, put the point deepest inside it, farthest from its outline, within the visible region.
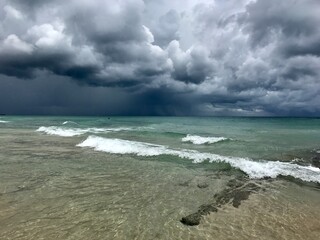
(159, 178)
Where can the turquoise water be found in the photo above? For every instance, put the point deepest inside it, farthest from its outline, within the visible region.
(136, 177)
(256, 138)
(260, 136)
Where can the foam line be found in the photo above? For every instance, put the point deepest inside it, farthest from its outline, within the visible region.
(255, 169)
(71, 132)
(198, 140)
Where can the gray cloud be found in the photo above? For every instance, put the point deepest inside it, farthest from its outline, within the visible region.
(266, 51)
(166, 28)
(222, 57)
(100, 43)
(193, 65)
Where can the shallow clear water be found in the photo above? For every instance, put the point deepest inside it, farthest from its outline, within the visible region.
(50, 188)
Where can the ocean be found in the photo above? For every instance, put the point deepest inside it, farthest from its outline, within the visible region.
(159, 178)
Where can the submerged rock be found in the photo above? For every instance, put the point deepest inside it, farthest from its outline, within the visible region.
(237, 191)
(235, 183)
(195, 218)
(192, 219)
(206, 209)
(202, 185)
(239, 196)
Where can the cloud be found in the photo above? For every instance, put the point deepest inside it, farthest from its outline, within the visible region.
(225, 57)
(265, 50)
(166, 28)
(193, 66)
(91, 42)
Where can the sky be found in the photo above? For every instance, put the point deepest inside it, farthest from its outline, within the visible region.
(160, 57)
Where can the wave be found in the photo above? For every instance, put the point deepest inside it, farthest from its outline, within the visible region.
(2, 121)
(71, 132)
(68, 122)
(63, 132)
(254, 169)
(202, 140)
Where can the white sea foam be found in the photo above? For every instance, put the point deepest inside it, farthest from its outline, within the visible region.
(120, 146)
(3, 121)
(71, 132)
(63, 132)
(202, 140)
(68, 122)
(253, 168)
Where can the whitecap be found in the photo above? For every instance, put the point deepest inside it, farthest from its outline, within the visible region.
(71, 132)
(63, 132)
(68, 122)
(198, 140)
(120, 146)
(254, 169)
(2, 121)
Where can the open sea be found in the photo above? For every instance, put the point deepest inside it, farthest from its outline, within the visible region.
(159, 178)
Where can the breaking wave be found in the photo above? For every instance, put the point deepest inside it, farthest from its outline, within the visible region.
(2, 121)
(254, 169)
(71, 132)
(69, 122)
(198, 140)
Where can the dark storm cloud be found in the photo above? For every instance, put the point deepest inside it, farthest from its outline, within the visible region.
(222, 57)
(103, 42)
(49, 94)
